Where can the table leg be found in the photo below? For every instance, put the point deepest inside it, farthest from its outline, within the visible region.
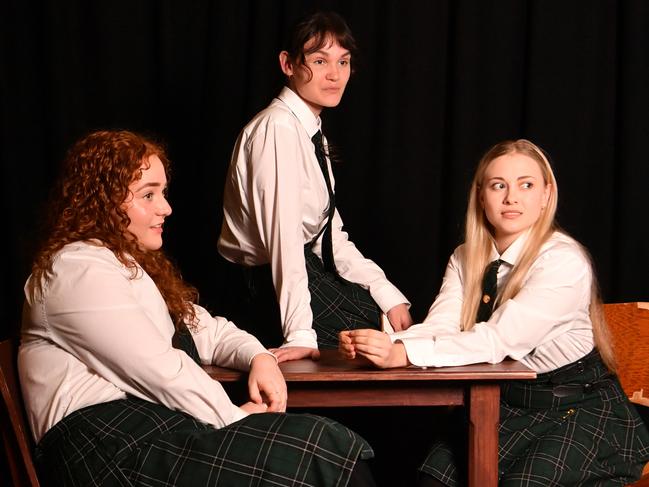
(484, 414)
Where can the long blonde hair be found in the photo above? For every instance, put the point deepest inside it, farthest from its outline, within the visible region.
(479, 238)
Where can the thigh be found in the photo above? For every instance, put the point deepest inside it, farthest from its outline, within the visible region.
(337, 304)
(587, 445)
(133, 442)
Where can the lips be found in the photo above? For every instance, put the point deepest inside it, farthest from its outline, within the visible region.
(511, 214)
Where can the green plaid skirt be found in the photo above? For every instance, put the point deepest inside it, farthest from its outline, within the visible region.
(132, 442)
(337, 304)
(572, 426)
(251, 302)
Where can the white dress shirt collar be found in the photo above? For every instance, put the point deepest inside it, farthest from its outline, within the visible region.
(301, 110)
(513, 252)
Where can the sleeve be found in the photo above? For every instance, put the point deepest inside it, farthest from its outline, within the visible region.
(558, 281)
(219, 342)
(443, 316)
(275, 155)
(95, 314)
(354, 267)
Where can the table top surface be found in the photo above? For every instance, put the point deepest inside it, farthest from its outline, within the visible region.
(333, 367)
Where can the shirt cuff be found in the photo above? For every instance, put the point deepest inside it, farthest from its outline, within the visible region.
(420, 352)
(387, 297)
(237, 414)
(263, 352)
(301, 338)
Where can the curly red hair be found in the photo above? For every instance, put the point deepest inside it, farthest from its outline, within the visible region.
(87, 205)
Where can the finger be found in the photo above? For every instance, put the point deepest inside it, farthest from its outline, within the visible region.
(349, 355)
(315, 355)
(364, 334)
(283, 357)
(277, 400)
(273, 400)
(254, 393)
(372, 350)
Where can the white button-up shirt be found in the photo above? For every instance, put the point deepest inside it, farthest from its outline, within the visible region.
(545, 326)
(95, 335)
(276, 201)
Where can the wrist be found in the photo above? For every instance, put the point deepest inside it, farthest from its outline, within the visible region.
(264, 357)
(399, 357)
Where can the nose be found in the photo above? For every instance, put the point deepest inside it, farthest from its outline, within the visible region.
(511, 196)
(164, 209)
(332, 72)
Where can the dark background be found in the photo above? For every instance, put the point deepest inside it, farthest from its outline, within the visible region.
(437, 83)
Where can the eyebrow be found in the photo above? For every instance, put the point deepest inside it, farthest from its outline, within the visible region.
(518, 178)
(323, 53)
(148, 185)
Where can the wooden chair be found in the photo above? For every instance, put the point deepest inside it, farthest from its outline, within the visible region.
(16, 437)
(629, 325)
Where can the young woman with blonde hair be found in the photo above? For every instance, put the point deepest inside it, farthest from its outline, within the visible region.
(520, 287)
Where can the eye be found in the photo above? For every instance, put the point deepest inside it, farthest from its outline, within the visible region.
(527, 185)
(148, 196)
(344, 62)
(497, 186)
(319, 61)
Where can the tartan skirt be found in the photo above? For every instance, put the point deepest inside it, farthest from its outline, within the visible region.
(572, 426)
(337, 304)
(132, 442)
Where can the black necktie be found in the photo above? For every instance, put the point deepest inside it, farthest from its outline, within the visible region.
(183, 340)
(489, 290)
(327, 245)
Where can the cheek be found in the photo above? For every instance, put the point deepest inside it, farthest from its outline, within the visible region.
(137, 214)
(488, 205)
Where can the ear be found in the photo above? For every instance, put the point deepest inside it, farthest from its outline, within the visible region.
(546, 194)
(285, 64)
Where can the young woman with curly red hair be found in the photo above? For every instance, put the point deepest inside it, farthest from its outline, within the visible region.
(112, 344)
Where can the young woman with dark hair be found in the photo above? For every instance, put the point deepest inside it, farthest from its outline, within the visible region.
(281, 226)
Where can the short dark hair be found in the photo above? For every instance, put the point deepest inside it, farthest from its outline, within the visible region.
(320, 26)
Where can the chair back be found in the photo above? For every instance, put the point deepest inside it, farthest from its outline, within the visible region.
(629, 325)
(16, 437)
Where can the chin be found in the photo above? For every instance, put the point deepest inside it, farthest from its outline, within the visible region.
(152, 246)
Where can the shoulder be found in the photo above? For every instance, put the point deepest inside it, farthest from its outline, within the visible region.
(81, 267)
(276, 115)
(562, 247)
(86, 252)
(564, 257)
(458, 255)
(87, 259)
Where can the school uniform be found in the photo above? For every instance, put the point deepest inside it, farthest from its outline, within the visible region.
(276, 203)
(573, 425)
(110, 401)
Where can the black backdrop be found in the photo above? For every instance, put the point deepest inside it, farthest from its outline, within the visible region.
(437, 83)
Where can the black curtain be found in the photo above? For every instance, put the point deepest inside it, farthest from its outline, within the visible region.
(436, 84)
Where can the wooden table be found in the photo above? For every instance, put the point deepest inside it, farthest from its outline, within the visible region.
(335, 382)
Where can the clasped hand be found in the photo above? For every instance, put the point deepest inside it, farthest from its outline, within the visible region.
(374, 346)
(266, 386)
